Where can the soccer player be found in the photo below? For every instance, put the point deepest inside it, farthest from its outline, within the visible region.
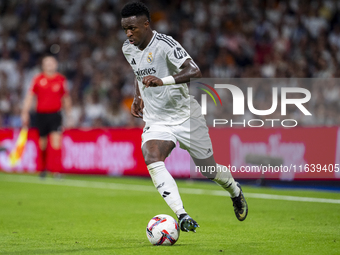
(162, 68)
(49, 88)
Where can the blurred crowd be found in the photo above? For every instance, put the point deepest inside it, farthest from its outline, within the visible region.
(226, 38)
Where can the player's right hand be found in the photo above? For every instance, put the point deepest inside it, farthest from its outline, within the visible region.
(25, 119)
(137, 108)
(152, 81)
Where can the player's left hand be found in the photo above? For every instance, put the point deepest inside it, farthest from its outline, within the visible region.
(152, 81)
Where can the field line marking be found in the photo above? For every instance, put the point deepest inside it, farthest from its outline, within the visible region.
(144, 188)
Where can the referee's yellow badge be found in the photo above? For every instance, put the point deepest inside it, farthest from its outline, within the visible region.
(150, 57)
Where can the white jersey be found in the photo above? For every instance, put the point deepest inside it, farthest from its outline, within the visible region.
(168, 104)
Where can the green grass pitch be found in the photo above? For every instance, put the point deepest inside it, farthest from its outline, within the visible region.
(101, 215)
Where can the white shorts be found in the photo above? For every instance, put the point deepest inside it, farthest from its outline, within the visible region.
(192, 135)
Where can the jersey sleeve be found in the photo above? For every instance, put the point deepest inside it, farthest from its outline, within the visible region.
(174, 51)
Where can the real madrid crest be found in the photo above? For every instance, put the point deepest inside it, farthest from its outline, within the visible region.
(150, 57)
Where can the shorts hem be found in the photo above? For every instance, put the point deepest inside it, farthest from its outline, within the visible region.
(173, 140)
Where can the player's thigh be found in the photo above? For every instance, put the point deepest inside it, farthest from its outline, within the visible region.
(193, 136)
(157, 143)
(157, 150)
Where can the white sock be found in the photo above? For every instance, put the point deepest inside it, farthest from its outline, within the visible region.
(226, 180)
(166, 186)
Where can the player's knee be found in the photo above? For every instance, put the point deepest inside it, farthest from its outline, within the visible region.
(43, 143)
(150, 158)
(56, 140)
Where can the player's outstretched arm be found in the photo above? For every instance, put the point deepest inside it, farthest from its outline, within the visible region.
(189, 70)
(137, 105)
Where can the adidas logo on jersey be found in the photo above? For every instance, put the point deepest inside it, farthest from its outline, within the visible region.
(133, 62)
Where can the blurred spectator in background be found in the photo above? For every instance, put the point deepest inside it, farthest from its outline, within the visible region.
(227, 38)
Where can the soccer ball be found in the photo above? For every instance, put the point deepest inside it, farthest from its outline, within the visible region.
(162, 230)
